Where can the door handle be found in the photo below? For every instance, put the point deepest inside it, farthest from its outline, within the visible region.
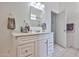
(26, 50)
(64, 30)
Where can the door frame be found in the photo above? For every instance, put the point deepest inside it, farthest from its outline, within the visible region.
(54, 13)
(57, 13)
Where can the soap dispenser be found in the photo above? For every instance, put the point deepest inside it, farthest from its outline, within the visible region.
(25, 28)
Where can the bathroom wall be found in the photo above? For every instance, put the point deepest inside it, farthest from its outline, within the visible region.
(20, 12)
(72, 17)
(50, 6)
(72, 9)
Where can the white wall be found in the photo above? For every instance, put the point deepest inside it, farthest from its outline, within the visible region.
(50, 6)
(72, 8)
(20, 12)
(72, 17)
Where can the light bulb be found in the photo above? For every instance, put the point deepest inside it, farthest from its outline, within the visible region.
(38, 4)
(42, 6)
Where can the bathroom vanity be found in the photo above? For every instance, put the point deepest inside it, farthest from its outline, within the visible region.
(37, 44)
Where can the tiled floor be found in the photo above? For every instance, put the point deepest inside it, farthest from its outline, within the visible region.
(65, 52)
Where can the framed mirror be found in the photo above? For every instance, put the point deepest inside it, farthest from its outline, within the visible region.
(36, 15)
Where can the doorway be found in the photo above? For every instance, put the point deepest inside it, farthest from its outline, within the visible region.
(58, 26)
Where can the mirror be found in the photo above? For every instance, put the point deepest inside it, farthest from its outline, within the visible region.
(36, 16)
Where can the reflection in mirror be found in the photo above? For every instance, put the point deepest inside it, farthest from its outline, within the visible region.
(36, 14)
(33, 17)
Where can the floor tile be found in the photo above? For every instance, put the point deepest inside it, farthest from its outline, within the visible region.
(65, 52)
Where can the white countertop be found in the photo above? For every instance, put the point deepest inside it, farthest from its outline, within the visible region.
(30, 33)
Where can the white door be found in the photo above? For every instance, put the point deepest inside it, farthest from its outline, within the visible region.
(61, 29)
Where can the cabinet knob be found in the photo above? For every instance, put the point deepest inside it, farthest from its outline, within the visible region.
(26, 50)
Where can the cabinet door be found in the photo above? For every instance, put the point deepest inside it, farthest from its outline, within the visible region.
(26, 50)
(42, 48)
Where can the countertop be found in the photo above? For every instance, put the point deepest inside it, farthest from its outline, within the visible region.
(30, 33)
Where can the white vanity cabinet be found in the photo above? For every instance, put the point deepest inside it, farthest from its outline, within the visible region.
(31, 45)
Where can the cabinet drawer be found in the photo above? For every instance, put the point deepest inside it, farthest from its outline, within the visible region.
(22, 40)
(26, 50)
(27, 37)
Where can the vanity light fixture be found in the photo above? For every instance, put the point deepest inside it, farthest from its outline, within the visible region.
(37, 5)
